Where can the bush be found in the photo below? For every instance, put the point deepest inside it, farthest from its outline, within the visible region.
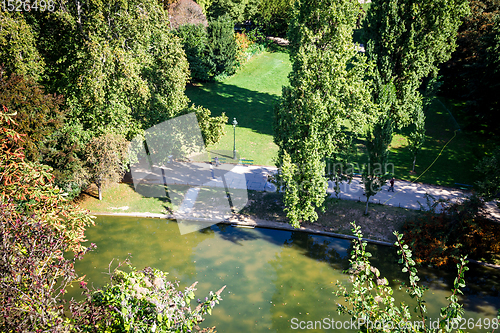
(370, 300)
(37, 226)
(460, 229)
(194, 42)
(142, 301)
(222, 47)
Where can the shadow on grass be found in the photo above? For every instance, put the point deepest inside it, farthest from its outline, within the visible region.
(252, 109)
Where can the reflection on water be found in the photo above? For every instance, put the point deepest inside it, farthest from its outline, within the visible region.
(272, 276)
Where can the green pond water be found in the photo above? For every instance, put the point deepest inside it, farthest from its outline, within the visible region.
(272, 276)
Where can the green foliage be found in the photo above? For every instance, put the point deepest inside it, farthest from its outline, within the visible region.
(194, 41)
(236, 10)
(375, 172)
(274, 16)
(107, 157)
(370, 300)
(118, 65)
(38, 115)
(29, 187)
(408, 40)
(222, 47)
(212, 128)
(327, 93)
(38, 226)
(489, 169)
(18, 52)
(378, 138)
(142, 301)
(472, 74)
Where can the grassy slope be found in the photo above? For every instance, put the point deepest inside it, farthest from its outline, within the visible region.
(249, 96)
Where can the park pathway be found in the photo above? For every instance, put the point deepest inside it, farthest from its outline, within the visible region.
(406, 195)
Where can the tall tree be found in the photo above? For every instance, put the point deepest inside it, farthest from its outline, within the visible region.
(222, 45)
(375, 172)
(18, 47)
(378, 138)
(408, 39)
(472, 74)
(118, 65)
(37, 115)
(274, 16)
(326, 93)
(107, 157)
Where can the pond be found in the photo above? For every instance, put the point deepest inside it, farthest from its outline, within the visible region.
(274, 278)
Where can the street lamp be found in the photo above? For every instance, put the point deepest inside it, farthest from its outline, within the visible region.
(235, 123)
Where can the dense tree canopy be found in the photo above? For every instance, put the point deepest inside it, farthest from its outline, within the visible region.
(37, 115)
(117, 64)
(473, 72)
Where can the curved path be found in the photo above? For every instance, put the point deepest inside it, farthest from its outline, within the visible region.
(406, 195)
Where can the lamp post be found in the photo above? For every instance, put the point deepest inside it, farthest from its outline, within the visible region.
(235, 123)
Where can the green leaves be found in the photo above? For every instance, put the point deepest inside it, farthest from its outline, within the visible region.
(408, 40)
(327, 94)
(370, 300)
(142, 301)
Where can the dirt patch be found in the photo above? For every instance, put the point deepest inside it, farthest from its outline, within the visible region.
(379, 224)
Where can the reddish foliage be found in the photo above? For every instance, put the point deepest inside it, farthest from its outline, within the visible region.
(37, 226)
(442, 238)
(186, 12)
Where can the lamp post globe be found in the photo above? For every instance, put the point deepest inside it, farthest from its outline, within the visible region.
(235, 123)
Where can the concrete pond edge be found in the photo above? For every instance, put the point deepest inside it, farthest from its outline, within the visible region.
(275, 225)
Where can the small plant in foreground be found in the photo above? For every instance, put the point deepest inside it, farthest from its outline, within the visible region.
(142, 301)
(370, 299)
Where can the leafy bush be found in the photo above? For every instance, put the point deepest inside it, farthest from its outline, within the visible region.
(370, 300)
(247, 47)
(222, 47)
(37, 226)
(142, 301)
(458, 230)
(194, 42)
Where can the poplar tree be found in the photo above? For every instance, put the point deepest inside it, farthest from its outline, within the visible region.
(327, 93)
(408, 39)
(378, 138)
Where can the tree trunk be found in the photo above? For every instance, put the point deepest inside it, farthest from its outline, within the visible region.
(414, 160)
(99, 189)
(367, 200)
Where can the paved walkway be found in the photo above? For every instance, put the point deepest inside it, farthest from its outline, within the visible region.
(406, 195)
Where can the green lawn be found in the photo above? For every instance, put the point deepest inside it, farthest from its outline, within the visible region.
(119, 196)
(457, 161)
(251, 93)
(249, 96)
(455, 164)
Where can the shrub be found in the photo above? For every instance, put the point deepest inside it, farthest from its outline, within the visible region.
(194, 42)
(370, 300)
(222, 47)
(37, 226)
(460, 229)
(142, 301)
